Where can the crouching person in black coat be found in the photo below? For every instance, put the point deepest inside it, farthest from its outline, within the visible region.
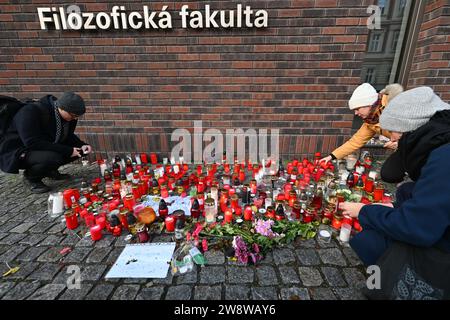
(41, 138)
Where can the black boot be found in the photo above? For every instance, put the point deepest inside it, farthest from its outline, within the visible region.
(36, 185)
(56, 175)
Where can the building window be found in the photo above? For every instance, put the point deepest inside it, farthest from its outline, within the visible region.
(375, 43)
(370, 75)
(401, 7)
(382, 5)
(395, 40)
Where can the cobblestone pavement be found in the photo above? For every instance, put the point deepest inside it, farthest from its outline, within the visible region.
(30, 239)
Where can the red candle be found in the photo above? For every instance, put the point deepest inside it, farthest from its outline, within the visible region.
(101, 221)
(238, 211)
(228, 216)
(89, 219)
(71, 220)
(129, 202)
(248, 213)
(241, 176)
(70, 197)
(378, 193)
(96, 233)
(153, 158)
(368, 186)
(170, 224)
(199, 169)
(144, 158)
(164, 193)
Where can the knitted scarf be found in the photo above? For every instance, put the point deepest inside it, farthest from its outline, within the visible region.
(375, 113)
(58, 122)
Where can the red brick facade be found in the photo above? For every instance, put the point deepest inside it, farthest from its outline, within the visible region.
(295, 75)
(431, 65)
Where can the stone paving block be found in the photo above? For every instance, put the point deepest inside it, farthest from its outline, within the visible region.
(135, 281)
(22, 290)
(283, 256)
(6, 287)
(51, 255)
(98, 254)
(40, 227)
(167, 280)
(12, 253)
(5, 227)
(12, 238)
(264, 293)
(307, 257)
(77, 255)
(322, 294)
(352, 257)
(207, 292)
(25, 270)
(93, 272)
(31, 254)
(310, 243)
(46, 272)
(187, 278)
(212, 275)
(52, 240)
(22, 228)
(76, 294)
(266, 275)
(268, 259)
(106, 241)
(85, 242)
(310, 276)
(237, 292)
(214, 257)
(113, 255)
(288, 275)
(349, 293)
(333, 277)
(153, 293)
(332, 256)
(354, 277)
(48, 292)
(294, 293)
(183, 292)
(57, 228)
(3, 235)
(240, 275)
(100, 292)
(126, 292)
(32, 239)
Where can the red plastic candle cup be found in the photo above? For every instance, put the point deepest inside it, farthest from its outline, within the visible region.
(248, 213)
(238, 211)
(378, 194)
(164, 193)
(170, 224)
(368, 186)
(228, 216)
(71, 220)
(154, 158)
(101, 221)
(89, 219)
(144, 158)
(241, 176)
(199, 170)
(96, 233)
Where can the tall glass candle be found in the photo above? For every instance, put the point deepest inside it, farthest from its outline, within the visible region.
(96, 233)
(170, 224)
(71, 219)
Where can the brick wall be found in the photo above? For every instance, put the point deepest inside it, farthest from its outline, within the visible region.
(431, 65)
(295, 75)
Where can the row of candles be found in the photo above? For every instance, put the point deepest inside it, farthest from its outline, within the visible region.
(159, 179)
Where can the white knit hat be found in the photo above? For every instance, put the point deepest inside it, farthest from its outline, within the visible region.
(363, 96)
(411, 109)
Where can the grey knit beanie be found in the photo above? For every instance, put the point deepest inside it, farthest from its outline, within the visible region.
(411, 109)
(71, 102)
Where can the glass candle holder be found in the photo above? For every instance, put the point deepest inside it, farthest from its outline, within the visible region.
(210, 211)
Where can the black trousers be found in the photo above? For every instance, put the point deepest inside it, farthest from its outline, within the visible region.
(38, 164)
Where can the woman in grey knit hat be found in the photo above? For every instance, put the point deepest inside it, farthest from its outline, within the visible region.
(411, 242)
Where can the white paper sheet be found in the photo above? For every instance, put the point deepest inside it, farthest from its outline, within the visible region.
(143, 260)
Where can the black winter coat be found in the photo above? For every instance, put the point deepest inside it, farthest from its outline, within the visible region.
(34, 128)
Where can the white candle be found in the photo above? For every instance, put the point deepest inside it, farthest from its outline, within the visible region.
(58, 203)
(176, 169)
(344, 236)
